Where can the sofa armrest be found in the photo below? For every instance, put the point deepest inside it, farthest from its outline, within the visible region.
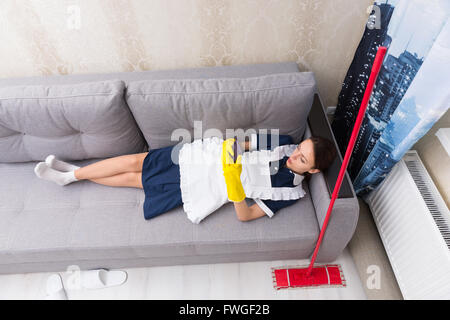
(344, 217)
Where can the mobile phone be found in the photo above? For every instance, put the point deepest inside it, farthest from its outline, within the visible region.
(236, 149)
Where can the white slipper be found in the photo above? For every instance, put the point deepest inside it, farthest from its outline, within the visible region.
(55, 288)
(102, 278)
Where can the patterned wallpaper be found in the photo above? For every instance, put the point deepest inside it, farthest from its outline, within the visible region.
(45, 37)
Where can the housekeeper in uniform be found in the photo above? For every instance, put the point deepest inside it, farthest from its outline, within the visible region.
(204, 175)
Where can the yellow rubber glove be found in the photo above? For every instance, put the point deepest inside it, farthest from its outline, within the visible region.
(232, 172)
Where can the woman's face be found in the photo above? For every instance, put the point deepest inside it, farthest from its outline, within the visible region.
(302, 159)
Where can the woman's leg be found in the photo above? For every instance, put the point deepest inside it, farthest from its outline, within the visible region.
(112, 167)
(126, 179)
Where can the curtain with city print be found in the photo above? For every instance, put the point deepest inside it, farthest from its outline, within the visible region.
(411, 93)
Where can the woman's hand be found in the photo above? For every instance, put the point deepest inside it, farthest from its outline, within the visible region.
(245, 145)
(232, 172)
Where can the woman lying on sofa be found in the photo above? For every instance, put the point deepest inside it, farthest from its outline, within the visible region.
(203, 175)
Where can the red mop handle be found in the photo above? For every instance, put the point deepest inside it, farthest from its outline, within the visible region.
(362, 110)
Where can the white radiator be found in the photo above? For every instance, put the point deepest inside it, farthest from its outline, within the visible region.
(414, 225)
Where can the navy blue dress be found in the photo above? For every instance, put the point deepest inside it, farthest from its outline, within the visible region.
(161, 179)
(161, 182)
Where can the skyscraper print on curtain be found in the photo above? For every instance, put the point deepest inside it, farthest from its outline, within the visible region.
(410, 29)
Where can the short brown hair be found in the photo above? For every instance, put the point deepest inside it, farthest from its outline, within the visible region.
(324, 152)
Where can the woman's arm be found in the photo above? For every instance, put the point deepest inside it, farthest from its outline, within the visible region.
(246, 213)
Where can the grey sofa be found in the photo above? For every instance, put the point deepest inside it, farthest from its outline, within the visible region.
(46, 227)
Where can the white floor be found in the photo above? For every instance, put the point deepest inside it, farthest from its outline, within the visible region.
(252, 280)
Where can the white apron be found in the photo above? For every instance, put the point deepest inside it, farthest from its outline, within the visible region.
(203, 188)
(255, 176)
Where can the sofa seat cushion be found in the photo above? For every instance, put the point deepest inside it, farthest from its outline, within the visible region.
(44, 222)
(74, 122)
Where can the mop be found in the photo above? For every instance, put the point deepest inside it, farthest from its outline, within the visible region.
(329, 275)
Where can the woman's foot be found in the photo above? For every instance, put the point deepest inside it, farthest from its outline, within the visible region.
(59, 165)
(43, 171)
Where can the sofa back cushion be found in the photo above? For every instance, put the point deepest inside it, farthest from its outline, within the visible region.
(73, 122)
(275, 101)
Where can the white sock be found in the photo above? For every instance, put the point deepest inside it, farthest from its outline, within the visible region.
(59, 165)
(62, 178)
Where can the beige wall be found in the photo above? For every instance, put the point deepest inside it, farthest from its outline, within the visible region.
(42, 37)
(435, 158)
